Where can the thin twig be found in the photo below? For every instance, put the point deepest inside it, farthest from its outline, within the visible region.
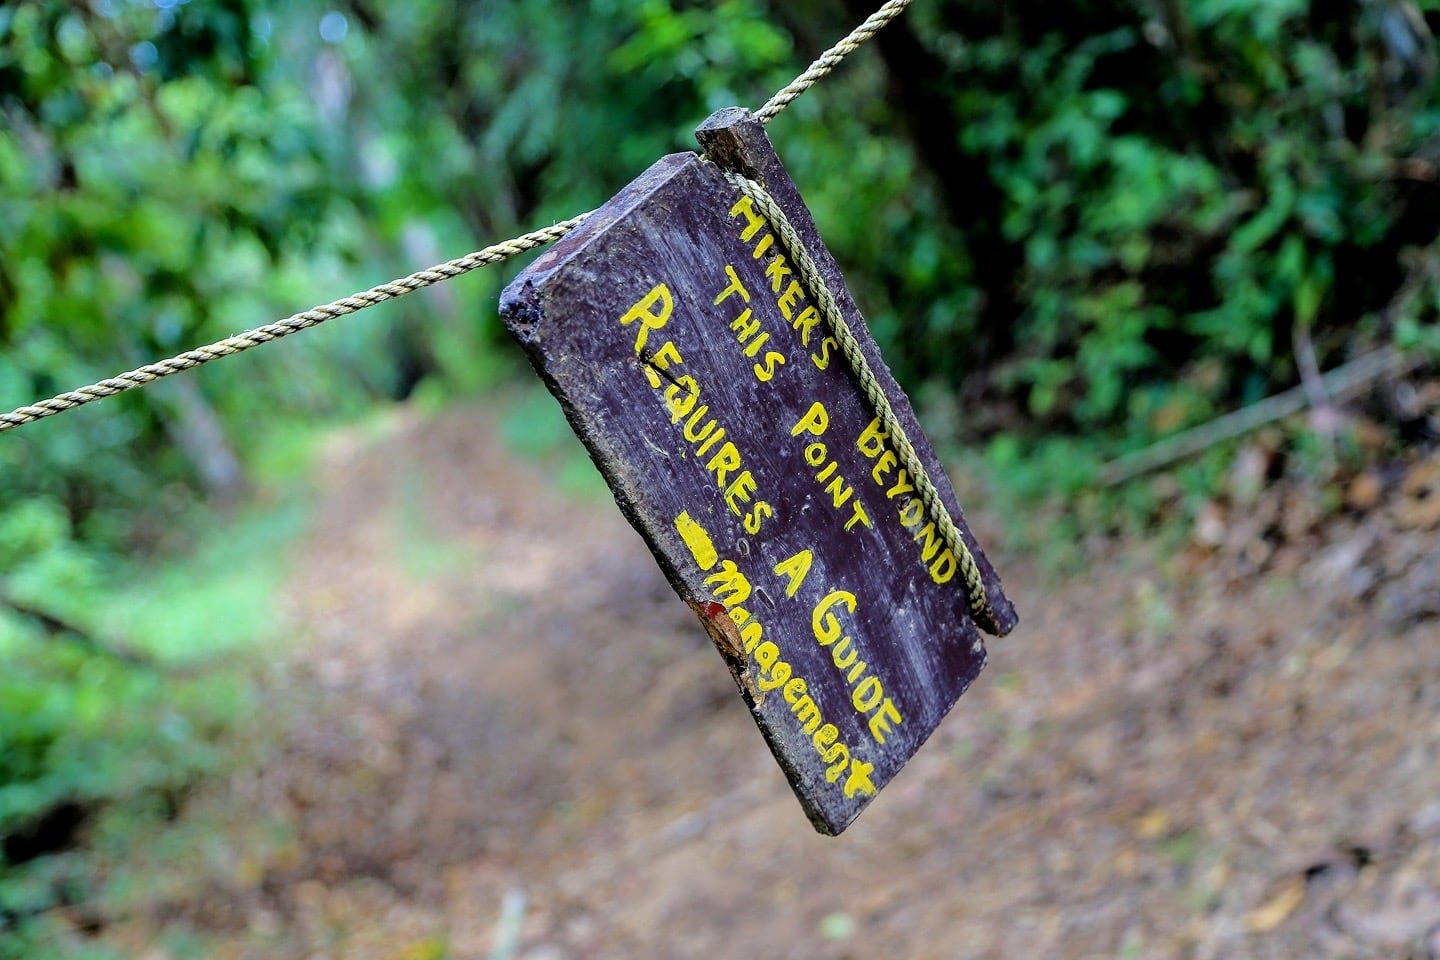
(1337, 384)
(1322, 406)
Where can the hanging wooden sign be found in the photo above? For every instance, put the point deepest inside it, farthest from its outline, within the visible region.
(703, 377)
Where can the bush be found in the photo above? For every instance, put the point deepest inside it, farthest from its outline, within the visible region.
(1176, 189)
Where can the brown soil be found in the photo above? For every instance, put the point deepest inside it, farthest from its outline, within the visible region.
(501, 721)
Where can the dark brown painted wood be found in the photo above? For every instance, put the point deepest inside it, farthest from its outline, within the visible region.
(739, 446)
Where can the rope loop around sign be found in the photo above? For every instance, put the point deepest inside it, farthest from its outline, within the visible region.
(814, 283)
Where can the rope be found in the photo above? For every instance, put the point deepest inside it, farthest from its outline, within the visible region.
(809, 274)
(830, 59)
(239, 343)
(270, 332)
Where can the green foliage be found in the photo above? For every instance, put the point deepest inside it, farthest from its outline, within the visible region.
(1180, 190)
(162, 183)
(153, 192)
(83, 727)
(1110, 217)
(130, 712)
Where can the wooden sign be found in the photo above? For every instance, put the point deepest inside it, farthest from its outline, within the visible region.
(702, 377)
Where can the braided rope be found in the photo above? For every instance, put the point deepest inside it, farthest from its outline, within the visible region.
(239, 343)
(830, 59)
(809, 274)
(270, 332)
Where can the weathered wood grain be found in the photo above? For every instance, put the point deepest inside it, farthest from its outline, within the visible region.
(736, 443)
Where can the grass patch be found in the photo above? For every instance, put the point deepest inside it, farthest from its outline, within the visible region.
(107, 722)
(218, 600)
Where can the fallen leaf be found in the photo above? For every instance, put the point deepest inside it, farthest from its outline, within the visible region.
(1152, 824)
(1210, 525)
(1277, 908)
(1419, 506)
(1364, 491)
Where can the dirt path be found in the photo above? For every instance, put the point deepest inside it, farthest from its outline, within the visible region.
(509, 723)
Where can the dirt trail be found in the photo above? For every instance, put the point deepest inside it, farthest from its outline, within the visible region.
(502, 700)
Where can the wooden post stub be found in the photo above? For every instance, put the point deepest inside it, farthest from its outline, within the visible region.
(695, 367)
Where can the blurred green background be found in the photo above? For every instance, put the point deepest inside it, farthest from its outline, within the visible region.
(1074, 228)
